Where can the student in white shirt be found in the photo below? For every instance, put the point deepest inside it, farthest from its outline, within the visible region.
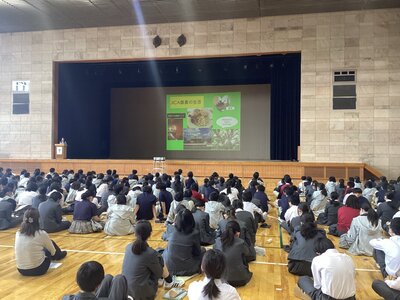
(212, 286)
(215, 209)
(251, 207)
(388, 289)
(387, 251)
(333, 275)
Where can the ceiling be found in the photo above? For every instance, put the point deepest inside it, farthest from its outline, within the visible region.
(33, 15)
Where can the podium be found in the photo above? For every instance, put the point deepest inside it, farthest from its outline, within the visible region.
(60, 151)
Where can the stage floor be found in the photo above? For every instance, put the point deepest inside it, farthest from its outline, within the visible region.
(271, 280)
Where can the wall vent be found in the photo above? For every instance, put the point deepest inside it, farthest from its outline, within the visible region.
(344, 89)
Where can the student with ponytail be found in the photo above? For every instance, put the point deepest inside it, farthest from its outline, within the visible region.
(143, 266)
(212, 287)
(363, 228)
(235, 251)
(34, 250)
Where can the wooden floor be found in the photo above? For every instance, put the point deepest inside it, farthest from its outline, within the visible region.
(271, 279)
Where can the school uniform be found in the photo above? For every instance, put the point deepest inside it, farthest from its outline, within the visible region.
(318, 203)
(385, 213)
(227, 292)
(333, 277)
(37, 200)
(50, 217)
(302, 253)
(202, 220)
(360, 233)
(237, 270)
(244, 235)
(142, 272)
(215, 210)
(183, 254)
(6, 219)
(251, 225)
(120, 220)
(388, 289)
(387, 255)
(112, 288)
(330, 215)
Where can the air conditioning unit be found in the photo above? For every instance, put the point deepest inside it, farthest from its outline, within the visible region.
(344, 89)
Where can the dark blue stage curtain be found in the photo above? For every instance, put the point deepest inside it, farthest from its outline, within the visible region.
(285, 108)
(84, 95)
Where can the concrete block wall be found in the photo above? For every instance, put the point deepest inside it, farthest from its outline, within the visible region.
(367, 41)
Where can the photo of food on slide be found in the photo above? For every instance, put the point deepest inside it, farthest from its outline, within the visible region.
(196, 138)
(199, 118)
(225, 139)
(175, 129)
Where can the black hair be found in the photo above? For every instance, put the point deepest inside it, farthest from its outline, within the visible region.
(261, 188)
(213, 196)
(187, 194)
(395, 226)
(190, 174)
(357, 191)
(178, 197)
(142, 232)
(30, 223)
(247, 196)
(87, 194)
(350, 184)
(42, 189)
(332, 178)
(31, 186)
(213, 265)
(308, 227)
(341, 183)
(118, 189)
(121, 199)
(228, 236)
(322, 244)
(294, 199)
(372, 215)
(147, 189)
(55, 196)
(194, 187)
(237, 204)
(353, 202)
(89, 276)
(303, 177)
(184, 221)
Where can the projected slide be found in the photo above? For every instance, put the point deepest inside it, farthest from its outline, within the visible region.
(208, 121)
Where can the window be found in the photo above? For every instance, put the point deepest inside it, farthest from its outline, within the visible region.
(20, 97)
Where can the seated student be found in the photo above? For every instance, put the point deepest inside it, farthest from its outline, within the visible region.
(189, 180)
(207, 188)
(84, 213)
(333, 275)
(143, 266)
(388, 289)
(183, 253)
(363, 228)
(302, 209)
(26, 197)
(202, 220)
(330, 215)
(319, 200)
(261, 197)
(7, 208)
(41, 197)
(194, 188)
(215, 209)
(145, 208)
(302, 246)
(247, 218)
(33, 248)
(331, 185)
(120, 218)
(359, 195)
(230, 215)
(256, 212)
(235, 251)
(51, 214)
(133, 194)
(164, 197)
(369, 191)
(230, 191)
(95, 286)
(387, 251)
(212, 286)
(386, 210)
(293, 211)
(179, 199)
(346, 214)
(340, 189)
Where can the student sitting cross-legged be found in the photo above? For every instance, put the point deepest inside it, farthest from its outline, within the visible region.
(333, 275)
(95, 286)
(33, 248)
(143, 266)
